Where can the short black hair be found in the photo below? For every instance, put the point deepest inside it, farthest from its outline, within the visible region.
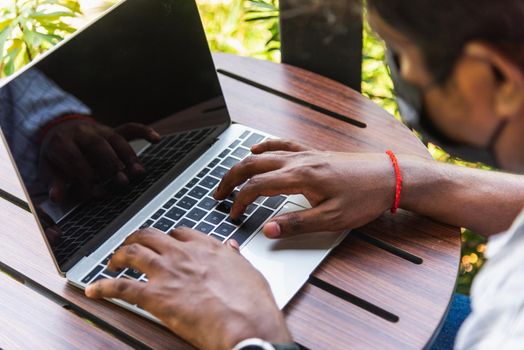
(441, 28)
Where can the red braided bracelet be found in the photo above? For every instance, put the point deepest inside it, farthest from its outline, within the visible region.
(398, 177)
(45, 129)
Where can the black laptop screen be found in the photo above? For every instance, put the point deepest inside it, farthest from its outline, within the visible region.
(72, 118)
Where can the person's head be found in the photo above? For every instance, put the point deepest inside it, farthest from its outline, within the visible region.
(467, 56)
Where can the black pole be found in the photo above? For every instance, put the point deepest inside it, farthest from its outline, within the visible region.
(324, 36)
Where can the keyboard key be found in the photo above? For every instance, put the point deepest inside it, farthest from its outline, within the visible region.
(225, 229)
(241, 152)
(192, 183)
(234, 144)
(244, 134)
(175, 214)
(92, 274)
(164, 224)
(250, 208)
(224, 153)
(147, 224)
(196, 214)
(158, 214)
(169, 203)
(229, 162)
(238, 221)
(207, 203)
(217, 237)
(251, 225)
(186, 223)
(133, 273)
(181, 193)
(113, 274)
(225, 207)
(253, 140)
(209, 182)
(274, 202)
(214, 162)
(98, 278)
(187, 203)
(106, 260)
(198, 192)
(259, 200)
(204, 227)
(215, 218)
(203, 172)
(219, 172)
(232, 195)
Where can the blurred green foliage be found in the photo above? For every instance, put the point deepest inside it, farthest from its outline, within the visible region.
(243, 27)
(30, 27)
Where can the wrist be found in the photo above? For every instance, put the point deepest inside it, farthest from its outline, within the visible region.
(44, 131)
(420, 178)
(273, 331)
(260, 344)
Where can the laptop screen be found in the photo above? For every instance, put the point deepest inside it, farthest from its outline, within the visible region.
(139, 80)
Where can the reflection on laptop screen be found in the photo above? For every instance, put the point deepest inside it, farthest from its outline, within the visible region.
(146, 62)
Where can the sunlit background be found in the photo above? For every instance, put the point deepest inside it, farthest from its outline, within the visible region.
(244, 27)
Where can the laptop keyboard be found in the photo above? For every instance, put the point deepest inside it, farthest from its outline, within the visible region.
(193, 206)
(87, 220)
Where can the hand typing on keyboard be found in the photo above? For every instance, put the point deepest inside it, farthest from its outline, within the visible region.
(202, 290)
(89, 154)
(346, 190)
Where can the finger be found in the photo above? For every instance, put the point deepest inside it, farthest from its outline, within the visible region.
(67, 159)
(103, 158)
(133, 131)
(137, 257)
(278, 145)
(244, 170)
(299, 222)
(153, 239)
(186, 234)
(126, 153)
(123, 289)
(269, 184)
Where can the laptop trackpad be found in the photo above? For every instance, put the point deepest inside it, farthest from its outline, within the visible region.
(287, 263)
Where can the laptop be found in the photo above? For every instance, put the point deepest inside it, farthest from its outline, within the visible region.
(148, 62)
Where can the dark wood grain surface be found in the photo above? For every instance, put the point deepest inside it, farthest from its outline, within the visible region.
(387, 286)
(32, 321)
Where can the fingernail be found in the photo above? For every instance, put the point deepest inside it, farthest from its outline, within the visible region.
(122, 178)
(272, 230)
(138, 168)
(154, 135)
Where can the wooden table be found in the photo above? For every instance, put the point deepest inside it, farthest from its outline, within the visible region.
(388, 285)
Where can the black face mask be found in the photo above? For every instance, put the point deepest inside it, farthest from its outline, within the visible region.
(412, 109)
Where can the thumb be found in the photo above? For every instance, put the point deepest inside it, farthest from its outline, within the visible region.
(233, 245)
(294, 223)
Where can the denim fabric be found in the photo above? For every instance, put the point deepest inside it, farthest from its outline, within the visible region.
(459, 310)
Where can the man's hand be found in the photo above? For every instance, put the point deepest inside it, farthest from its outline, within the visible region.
(345, 190)
(204, 291)
(91, 154)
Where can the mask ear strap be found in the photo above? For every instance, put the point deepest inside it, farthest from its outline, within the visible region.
(495, 138)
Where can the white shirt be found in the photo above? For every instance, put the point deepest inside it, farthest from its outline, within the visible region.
(497, 296)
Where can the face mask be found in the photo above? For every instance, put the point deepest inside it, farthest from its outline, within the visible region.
(411, 106)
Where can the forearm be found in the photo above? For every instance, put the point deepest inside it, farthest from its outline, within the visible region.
(484, 201)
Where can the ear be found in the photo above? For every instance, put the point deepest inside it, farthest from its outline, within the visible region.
(508, 79)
